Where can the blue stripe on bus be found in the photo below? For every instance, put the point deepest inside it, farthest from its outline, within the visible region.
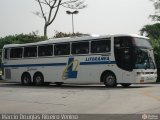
(59, 64)
(37, 65)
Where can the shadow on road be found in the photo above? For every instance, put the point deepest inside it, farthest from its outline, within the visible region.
(74, 86)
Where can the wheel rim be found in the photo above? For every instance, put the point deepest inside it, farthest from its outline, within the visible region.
(110, 80)
(26, 80)
(38, 80)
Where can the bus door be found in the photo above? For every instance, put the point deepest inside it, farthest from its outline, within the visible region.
(127, 65)
(123, 57)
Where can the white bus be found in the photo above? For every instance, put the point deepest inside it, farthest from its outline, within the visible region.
(111, 59)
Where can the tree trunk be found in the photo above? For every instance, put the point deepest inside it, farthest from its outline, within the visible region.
(45, 31)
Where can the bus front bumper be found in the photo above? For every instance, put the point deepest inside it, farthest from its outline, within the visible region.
(146, 78)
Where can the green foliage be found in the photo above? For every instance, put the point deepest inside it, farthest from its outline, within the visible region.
(20, 39)
(61, 34)
(156, 45)
(152, 31)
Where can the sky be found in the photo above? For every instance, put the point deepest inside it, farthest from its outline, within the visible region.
(101, 17)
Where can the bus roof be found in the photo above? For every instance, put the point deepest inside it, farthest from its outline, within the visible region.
(72, 39)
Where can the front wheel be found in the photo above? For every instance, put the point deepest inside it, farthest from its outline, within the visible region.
(110, 80)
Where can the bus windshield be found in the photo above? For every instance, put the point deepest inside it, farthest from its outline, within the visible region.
(143, 59)
(141, 42)
(143, 54)
(133, 53)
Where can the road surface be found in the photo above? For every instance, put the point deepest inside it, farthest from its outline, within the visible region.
(80, 99)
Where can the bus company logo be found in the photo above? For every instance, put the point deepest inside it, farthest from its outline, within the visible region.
(70, 70)
(95, 59)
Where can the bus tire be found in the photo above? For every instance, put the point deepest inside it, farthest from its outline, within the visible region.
(38, 79)
(26, 79)
(125, 84)
(109, 80)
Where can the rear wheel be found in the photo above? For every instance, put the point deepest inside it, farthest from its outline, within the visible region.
(125, 85)
(38, 79)
(26, 79)
(110, 80)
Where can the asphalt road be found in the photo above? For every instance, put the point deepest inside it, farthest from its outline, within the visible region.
(80, 99)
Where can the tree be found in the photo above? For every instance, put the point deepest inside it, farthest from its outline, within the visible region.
(20, 38)
(53, 6)
(152, 31)
(156, 16)
(62, 34)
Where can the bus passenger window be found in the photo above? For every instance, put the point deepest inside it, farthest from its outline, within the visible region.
(80, 48)
(16, 52)
(30, 51)
(62, 49)
(45, 50)
(6, 53)
(100, 46)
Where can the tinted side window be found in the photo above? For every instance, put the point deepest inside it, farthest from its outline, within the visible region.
(30, 51)
(6, 53)
(80, 48)
(122, 42)
(62, 49)
(16, 52)
(46, 50)
(100, 46)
